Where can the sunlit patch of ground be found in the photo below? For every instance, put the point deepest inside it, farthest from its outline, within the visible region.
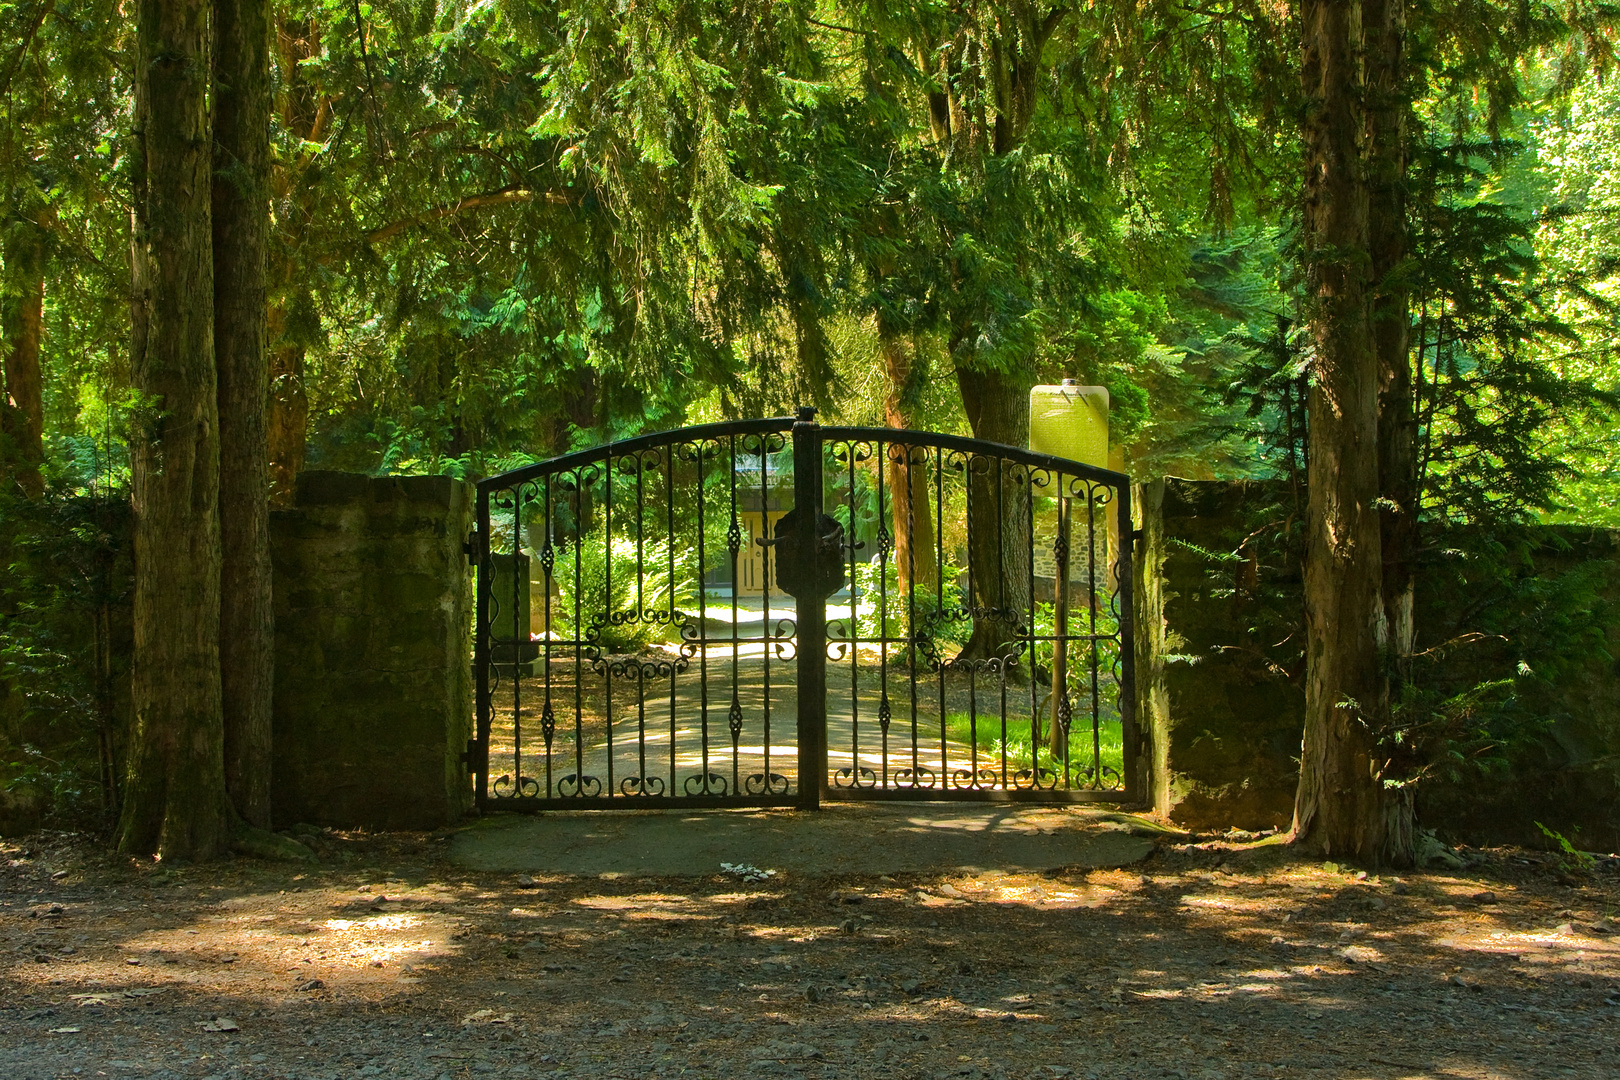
(1198, 963)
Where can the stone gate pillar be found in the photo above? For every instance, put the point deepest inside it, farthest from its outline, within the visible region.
(373, 694)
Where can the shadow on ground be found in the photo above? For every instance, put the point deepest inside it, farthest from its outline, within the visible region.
(1199, 962)
(840, 839)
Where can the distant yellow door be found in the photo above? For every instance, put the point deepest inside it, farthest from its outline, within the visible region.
(754, 563)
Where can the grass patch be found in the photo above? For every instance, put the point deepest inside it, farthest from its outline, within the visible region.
(1021, 755)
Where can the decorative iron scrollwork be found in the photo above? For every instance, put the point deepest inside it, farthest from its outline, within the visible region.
(642, 786)
(773, 784)
(709, 783)
(524, 787)
(855, 777)
(575, 786)
(984, 778)
(1039, 778)
(918, 776)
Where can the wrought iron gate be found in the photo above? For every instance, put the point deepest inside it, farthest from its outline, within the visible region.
(774, 613)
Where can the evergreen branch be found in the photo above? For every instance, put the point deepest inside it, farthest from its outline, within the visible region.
(1461, 639)
(502, 197)
(841, 29)
(371, 75)
(25, 44)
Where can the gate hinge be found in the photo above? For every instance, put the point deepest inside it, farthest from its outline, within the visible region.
(1137, 536)
(476, 756)
(471, 548)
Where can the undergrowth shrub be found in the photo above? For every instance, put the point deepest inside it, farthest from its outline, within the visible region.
(65, 636)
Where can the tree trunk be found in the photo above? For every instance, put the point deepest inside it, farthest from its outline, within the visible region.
(305, 114)
(241, 223)
(22, 323)
(289, 418)
(1388, 95)
(914, 553)
(997, 405)
(175, 803)
(1342, 807)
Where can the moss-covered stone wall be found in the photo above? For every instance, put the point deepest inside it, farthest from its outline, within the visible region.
(1220, 668)
(373, 698)
(1549, 608)
(1219, 618)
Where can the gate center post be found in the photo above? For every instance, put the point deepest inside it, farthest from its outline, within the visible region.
(810, 615)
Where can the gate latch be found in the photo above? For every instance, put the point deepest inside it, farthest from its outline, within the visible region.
(808, 568)
(470, 546)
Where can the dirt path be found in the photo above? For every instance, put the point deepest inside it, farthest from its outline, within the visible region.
(1198, 962)
(886, 838)
(670, 730)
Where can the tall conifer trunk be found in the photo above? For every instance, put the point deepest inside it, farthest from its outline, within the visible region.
(241, 226)
(305, 114)
(22, 330)
(175, 803)
(913, 519)
(1388, 97)
(1342, 807)
(288, 421)
(997, 405)
(990, 72)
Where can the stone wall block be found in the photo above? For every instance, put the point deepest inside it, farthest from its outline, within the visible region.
(1225, 723)
(373, 600)
(1221, 673)
(1567, 777)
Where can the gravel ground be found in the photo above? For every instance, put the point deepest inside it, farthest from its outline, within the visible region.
(1202, 961)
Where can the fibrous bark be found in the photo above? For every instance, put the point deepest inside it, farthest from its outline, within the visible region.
(175, 803)
(305, 114)
(241, 225)
(908, 480)
(997, 405)
(1343, 807)
(1388, 97)
(22, 326)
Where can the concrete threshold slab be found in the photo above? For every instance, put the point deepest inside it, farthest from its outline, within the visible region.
(843, 839)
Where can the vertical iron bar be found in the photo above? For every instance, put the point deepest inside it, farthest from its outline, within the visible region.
(854, 636)
(1126, 584)
(1060, 628)
(885, 516)
(734, 545)
(607, 613)
(579, 635)
(765, 588)
(1091, 591)
(1005, 607)
(669, 536)
(520, 639)
(939, 612)
(669, 510)
(911, 617)
(642, 616)
(641, 533)
(477, 762)
(1030, 628)
(971, 605)
(703, 631)
(548, 716)
(811, 616)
